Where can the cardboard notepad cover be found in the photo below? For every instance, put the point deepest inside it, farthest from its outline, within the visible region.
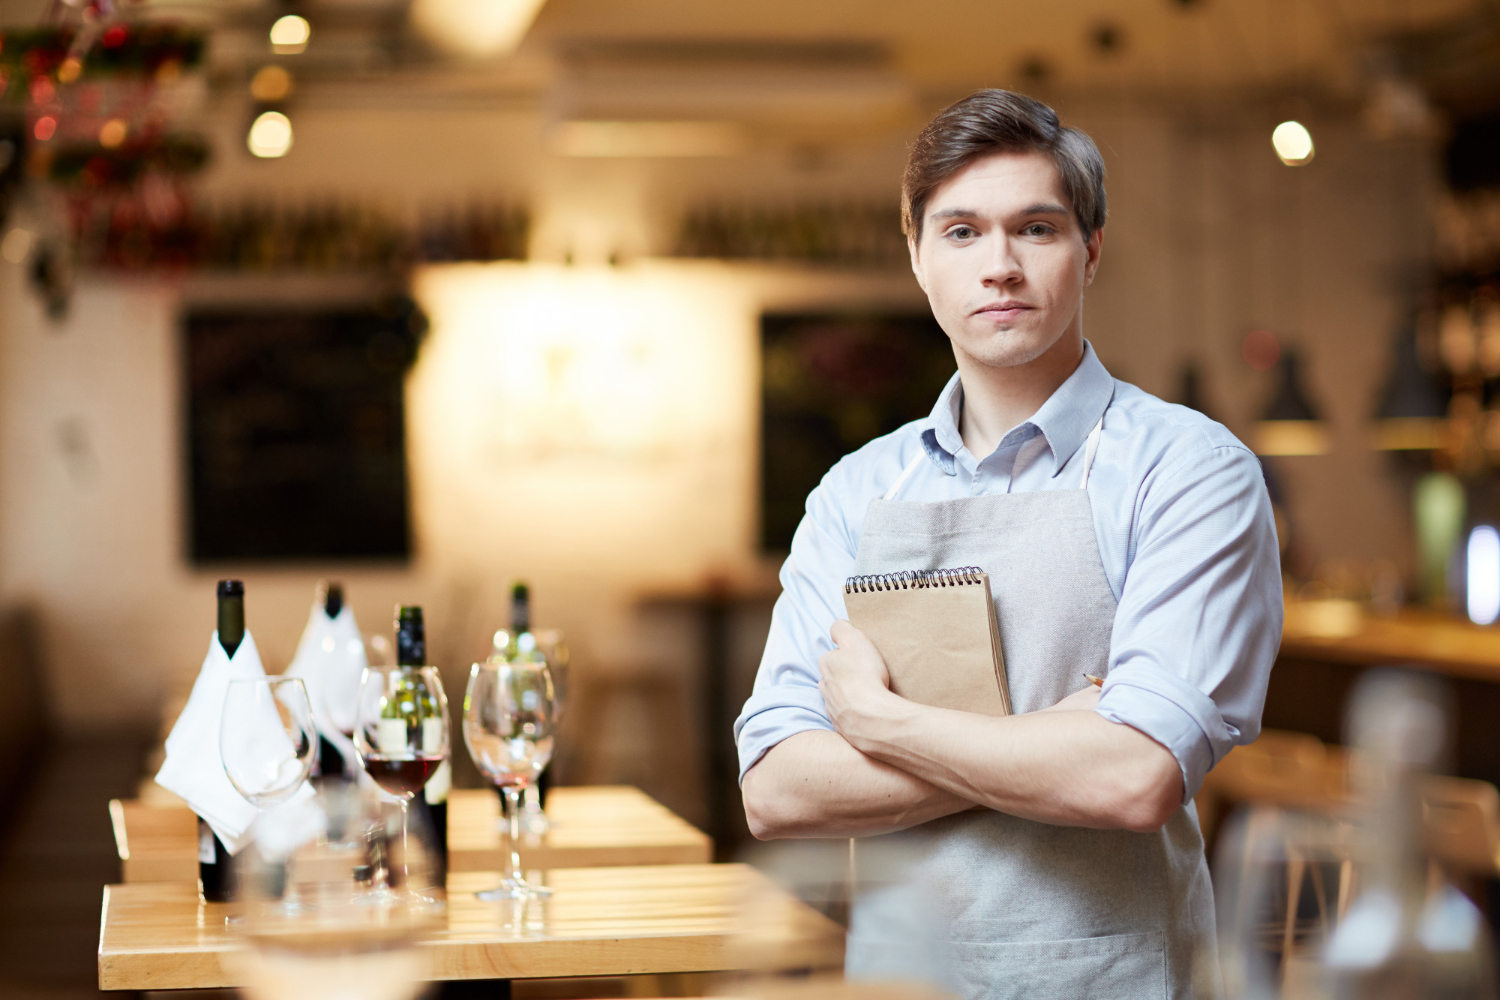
(938, 636)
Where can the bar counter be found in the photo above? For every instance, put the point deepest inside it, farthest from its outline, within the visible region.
(1327, 645)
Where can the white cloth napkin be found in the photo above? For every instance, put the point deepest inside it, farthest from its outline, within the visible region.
(331, 660)
(194, 769)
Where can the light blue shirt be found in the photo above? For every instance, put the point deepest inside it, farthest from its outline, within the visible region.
(1185, 534)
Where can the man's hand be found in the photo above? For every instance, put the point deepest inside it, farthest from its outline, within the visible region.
(855, 683)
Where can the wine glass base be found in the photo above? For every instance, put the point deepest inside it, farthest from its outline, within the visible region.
(513, 889)
(400, 897)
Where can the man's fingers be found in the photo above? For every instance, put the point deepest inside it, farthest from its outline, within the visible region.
(842, 632)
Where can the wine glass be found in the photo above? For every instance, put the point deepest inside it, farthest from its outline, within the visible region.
(267, 743)
(508, 723)
(401, 732)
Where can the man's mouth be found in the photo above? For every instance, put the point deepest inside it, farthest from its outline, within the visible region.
(1003, 312)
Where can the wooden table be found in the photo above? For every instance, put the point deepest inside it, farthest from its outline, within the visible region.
(598, 922)
(591, 826)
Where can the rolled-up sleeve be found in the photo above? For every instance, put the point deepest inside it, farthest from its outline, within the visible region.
(785, 700)
(1199, 619)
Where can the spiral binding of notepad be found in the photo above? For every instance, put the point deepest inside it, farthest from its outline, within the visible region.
(914, 579)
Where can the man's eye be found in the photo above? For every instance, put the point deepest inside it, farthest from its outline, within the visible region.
(961, 232)
(1038, 229)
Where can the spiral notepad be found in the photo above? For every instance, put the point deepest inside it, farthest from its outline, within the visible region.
(937, 631)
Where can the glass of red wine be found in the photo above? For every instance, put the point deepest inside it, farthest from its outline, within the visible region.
(401, 733)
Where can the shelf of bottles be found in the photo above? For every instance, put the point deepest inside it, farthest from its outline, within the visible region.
(1459, 335)
(333, 236)
(845, 234)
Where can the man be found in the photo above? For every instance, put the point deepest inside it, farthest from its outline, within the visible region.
(1124, 537)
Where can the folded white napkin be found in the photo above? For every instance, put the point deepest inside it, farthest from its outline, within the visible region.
(194, 769)
(331, 660)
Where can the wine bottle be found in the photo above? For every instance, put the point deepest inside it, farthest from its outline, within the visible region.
(214, 860)
(523, 646)
(411, 651)
(330, 761)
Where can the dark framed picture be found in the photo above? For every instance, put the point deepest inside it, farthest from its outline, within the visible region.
(296, 444)
(829, 384)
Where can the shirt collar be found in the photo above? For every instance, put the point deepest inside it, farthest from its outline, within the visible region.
(1065, 419)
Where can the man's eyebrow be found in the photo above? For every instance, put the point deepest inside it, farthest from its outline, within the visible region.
(1040, 208)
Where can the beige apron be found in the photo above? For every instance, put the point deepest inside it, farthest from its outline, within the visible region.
(1012, 907)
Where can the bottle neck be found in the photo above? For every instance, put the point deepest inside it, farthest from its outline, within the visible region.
(231, 623)
(411, 643)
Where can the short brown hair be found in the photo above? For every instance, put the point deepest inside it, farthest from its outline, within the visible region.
(999, 121)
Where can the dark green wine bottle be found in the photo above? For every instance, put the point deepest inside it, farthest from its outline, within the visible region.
(215, 883)
(432, 801)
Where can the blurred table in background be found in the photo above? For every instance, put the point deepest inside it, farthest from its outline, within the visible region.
(1327, 645)
(591, 826)
(598, 922)
(713, 604)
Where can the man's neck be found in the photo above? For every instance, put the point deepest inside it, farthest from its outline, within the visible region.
(998, 399)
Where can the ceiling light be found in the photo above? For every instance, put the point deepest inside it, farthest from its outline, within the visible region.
(270, 84)
(648, 139)
(474, 27)
(271, 135)
(1293, 143)
(290, 34)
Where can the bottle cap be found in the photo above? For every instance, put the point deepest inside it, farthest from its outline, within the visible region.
(231, 588)
(333, 599)
(408, 613)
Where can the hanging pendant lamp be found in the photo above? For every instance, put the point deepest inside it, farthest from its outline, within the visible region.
(1413, 411)
(1290, 425)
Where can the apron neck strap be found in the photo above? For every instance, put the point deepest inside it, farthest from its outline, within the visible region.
(1090, 449)
(890, 494)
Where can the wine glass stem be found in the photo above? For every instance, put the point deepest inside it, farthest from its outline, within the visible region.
(513, 807)
(405, 857)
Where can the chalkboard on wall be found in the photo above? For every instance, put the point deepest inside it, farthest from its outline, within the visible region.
(829, 384)
(296, 443)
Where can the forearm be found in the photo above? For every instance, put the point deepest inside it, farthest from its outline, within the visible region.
(1071, 768)
(814, 784)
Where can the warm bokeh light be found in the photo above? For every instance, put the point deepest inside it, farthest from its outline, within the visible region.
(16, 245)
(112, 133)
(270, 84)
(1261, 350)
(474, 27)
(290, 33)
(648, 139)
(69, 69)
(1293, 143)
(271, 135)
(46, 127)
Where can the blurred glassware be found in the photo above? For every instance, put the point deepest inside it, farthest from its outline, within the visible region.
(554, 647)
(1407, 932)
(402, 734)
(267, 742)
(336, 949)
(1320, 906)
(509, 716)
(378, 650)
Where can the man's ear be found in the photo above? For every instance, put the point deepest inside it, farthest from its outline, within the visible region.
(1093, 246)
(916, 263)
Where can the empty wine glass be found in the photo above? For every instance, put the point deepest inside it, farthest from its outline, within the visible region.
(508, 724)
(267, 742)
(401, 732)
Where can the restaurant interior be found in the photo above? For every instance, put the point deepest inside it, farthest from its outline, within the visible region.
(544, 317)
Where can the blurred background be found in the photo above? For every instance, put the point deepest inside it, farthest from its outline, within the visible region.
(431, 296)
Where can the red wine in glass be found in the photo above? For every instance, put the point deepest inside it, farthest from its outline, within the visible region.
(403, 775)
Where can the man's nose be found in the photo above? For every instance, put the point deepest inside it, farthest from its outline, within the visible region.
(1002, 265)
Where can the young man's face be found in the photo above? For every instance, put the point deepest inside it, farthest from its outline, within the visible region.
(1003, 260)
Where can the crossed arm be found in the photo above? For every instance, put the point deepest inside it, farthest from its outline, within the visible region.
(890, 763)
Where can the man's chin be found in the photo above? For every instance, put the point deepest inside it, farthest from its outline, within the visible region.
(1002, 350)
